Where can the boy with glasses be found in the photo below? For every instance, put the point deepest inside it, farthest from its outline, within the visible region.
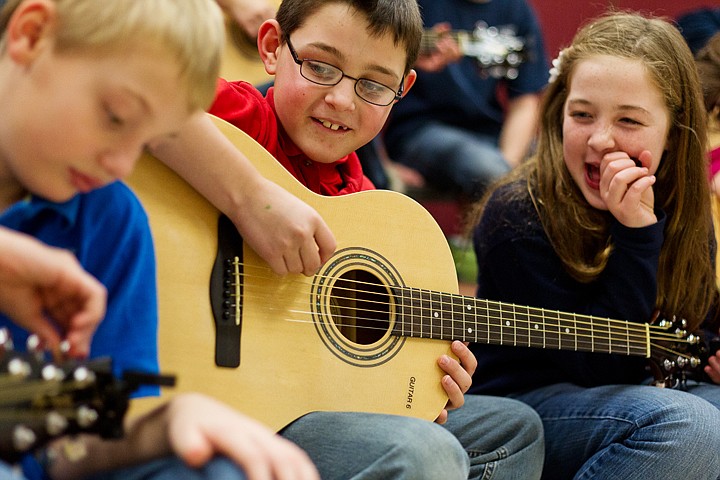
(339, 66)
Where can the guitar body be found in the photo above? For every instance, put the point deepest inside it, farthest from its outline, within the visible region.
(301, 344)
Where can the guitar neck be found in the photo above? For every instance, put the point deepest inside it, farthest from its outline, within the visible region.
(443, 316)
(430, 39)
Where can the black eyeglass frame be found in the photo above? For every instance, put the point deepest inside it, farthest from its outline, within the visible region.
(300, 62)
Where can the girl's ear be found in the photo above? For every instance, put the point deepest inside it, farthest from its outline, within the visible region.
(269, 43)
(30, 29)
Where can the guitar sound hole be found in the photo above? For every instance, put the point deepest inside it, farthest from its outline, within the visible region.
(360, 307)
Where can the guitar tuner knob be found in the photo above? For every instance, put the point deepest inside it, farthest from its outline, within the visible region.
(5, 339)
(23, 438)
(695, 362)
(33, 344)
(19, 368)
(682, 362)
(83, 375)
(55, 424)
(86, 416)
(668, 365)
(51, 372)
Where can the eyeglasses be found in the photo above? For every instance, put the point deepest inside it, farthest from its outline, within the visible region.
(323, 73)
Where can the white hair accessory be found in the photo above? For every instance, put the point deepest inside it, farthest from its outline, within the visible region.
(556, 66)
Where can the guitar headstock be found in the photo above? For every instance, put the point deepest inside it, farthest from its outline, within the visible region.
(497, 50)
(676, 354)
(41, 400)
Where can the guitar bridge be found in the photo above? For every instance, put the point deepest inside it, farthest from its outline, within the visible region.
(226, 294)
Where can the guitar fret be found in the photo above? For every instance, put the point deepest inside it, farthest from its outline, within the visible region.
(601, 336)
(567, 335)
(552, 331)
(458, 319)
(522, 325)
(435, 314)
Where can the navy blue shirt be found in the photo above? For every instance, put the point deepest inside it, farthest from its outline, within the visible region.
(458, 95)
(108, 231)
(517, 264)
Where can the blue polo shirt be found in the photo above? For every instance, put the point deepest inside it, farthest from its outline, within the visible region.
(108, 231)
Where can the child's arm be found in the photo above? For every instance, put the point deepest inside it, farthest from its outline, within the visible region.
(40, 285)
(195, 428)
(284, 231)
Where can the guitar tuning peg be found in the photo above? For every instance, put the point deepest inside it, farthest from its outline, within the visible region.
(23, 438)
(83, 375)
(86, 416)
(55, 424)
(51, 372)
(6, 342)
(19, 368)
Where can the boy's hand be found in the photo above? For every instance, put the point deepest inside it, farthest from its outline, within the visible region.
(196, 437)
(286, 232)
(44, 289)
(626, 187)
(458, 378)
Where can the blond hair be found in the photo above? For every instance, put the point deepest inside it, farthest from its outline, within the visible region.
(191, 31)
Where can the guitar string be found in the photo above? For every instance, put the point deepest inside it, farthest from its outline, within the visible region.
(638, 330)
(598, 342)
(502, 307)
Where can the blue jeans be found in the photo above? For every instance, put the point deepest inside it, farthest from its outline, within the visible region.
(173, 468)
(499, 438)
(451, 158)
(629, 431)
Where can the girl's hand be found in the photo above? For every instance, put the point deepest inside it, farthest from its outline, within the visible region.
(713, 367)
(626, 188)
(458, 378)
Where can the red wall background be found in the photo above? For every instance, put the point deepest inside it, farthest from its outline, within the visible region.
(561, 18)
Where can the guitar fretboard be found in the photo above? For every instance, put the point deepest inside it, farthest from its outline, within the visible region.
(429, 38)
(429, 314)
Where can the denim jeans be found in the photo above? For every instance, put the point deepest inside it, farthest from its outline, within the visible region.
(503, 438)
(451, 158)
(629, 431)
(172, 468)
(500, 438)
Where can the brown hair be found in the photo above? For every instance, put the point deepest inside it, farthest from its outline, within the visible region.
(399, 17)
(708, 65)
(580, 233)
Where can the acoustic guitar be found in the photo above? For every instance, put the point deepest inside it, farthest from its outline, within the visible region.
(498, 52)
(365, 332)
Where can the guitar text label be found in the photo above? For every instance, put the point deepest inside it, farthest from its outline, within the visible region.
(411, 391)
